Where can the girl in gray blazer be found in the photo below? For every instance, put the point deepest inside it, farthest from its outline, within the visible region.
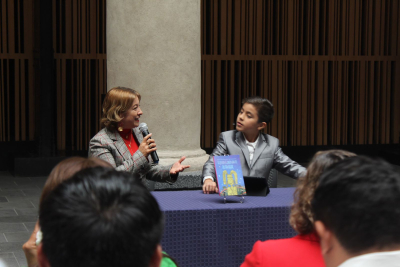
(122, 145)
(258, 152)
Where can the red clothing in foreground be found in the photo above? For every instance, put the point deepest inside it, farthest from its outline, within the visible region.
(301, 250)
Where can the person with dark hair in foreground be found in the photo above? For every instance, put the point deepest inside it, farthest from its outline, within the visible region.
(357, 213)
(61, 172)
(304, 248)
(100, 217)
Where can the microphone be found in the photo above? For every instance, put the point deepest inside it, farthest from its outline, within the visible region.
(145, 131)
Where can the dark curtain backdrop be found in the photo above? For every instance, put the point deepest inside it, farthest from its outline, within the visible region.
(79, 70)
(331, 68)
(17, 90)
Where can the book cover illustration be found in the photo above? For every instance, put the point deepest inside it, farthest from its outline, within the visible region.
(229, 175)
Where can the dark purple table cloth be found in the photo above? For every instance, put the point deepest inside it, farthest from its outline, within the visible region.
(200, 230)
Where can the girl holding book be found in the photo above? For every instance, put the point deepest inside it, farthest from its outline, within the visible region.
(258, 152)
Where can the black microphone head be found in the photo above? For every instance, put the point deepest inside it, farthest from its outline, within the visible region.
(143, 127)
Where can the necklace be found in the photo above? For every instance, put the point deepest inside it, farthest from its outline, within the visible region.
(130, 139)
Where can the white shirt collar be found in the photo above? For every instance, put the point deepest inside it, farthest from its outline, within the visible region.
(251, 143)
(376, 259)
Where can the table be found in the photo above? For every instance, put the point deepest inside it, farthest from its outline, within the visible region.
(200, 230)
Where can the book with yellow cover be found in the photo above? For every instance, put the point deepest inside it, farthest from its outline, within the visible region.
(229, 175)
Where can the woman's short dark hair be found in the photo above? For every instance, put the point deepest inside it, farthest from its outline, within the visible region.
(100, 217)
(263, 106)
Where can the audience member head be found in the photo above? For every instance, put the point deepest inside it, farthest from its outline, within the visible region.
(301, 216)
(356, 209)
(100, 217)
(117, 101)
(66, 169)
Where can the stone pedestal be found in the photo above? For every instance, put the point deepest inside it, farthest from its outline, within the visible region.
(154, 47)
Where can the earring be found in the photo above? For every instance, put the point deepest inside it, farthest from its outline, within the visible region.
(120, 129)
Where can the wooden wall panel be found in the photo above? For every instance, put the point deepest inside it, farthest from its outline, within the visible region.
(79, 68)
(331, 68)
(80, 65)
(17, 97)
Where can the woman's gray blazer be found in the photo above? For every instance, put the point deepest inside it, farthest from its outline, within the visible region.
(267, 155)
(109, 146)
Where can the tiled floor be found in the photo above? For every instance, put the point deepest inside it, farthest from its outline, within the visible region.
(19, 198)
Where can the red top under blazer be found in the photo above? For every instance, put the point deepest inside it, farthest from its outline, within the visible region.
(301, 250)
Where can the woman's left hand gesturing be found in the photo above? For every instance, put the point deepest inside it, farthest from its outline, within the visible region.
(178, 167)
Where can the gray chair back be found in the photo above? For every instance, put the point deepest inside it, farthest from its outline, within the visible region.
(273, 179)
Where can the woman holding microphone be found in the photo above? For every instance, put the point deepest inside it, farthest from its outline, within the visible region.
(121, 143)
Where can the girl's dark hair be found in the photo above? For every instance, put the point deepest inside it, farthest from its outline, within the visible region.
(263, 106)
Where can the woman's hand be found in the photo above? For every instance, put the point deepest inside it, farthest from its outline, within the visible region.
(178, 167)
(147, 146)
(30, 248)
(209, 186)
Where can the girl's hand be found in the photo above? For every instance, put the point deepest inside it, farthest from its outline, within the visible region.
(209, 186)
